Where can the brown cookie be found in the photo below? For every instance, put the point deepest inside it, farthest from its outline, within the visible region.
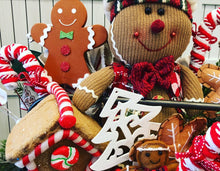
(179, 136)
(209, 76)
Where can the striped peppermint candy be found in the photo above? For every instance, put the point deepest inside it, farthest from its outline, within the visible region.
(203, 39)
(64, 157)
(28, 160)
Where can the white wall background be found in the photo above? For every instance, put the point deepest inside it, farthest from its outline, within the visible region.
(18, 16)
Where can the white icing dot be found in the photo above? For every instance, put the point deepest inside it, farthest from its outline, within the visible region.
(60, 10)
(74, 10)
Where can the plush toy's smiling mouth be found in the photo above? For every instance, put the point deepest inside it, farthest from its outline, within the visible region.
(158, 161)
(173, 34)
(67, 24)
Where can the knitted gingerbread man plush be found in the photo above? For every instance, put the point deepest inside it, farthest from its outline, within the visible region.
(146, 37)
(67, 41)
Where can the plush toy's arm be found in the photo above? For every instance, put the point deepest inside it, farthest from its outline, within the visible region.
(192, 90)
(190, 84)
(100, 36)
(39, 32)
(92, 88)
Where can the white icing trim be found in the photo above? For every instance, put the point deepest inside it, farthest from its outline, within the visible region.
(194, 100)
(114, 44)
(67, 24)
(90, 37)
(184, 5)
(75, 85)
(88, 91)
(153, 149)
(45, 35)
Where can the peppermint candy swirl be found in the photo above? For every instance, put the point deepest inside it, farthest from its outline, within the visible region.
(64, 157)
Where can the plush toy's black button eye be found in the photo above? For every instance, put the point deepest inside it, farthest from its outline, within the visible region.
(160, 153)
(147, 154)
(161, 11)
(148, 10)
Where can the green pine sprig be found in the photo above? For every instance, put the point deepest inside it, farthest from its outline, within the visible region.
(5, 165)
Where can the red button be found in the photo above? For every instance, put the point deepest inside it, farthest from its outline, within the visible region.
(65, 66)
(65, 50)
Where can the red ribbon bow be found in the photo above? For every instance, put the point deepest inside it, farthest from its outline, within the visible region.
(145, 75)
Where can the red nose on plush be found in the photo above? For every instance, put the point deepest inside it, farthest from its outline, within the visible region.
(157, 26)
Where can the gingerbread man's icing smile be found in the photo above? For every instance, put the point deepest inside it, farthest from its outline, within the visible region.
(68, 40)
(60, 11)
(67, 24)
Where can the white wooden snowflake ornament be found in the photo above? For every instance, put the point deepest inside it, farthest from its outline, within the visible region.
(117, 119)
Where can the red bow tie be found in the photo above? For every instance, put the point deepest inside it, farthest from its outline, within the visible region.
(145, 75)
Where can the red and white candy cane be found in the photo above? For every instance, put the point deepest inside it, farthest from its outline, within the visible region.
(203, 38)
(67, 120)
(28, 160)
(21, 53)
(37, 77)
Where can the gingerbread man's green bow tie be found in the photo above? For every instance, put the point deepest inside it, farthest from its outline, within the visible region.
(68, 35)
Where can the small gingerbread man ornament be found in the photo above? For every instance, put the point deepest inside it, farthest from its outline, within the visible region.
(67, 41)
(150, 155)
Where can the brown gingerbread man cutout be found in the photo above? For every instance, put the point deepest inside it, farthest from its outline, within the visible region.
(67, 40)
(209, 76)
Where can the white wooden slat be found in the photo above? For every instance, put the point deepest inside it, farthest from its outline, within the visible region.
(46, 7)
(4, 127)
(0, 39)
(210, 2)
(6, 23)
(55, 1)
(107, 23)
(20, 22)
(13, 106)
(98, 13)
(33, 14)
(88, 5)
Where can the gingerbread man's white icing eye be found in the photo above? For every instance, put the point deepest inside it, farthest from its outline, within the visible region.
(73, 10)
(60, 10)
